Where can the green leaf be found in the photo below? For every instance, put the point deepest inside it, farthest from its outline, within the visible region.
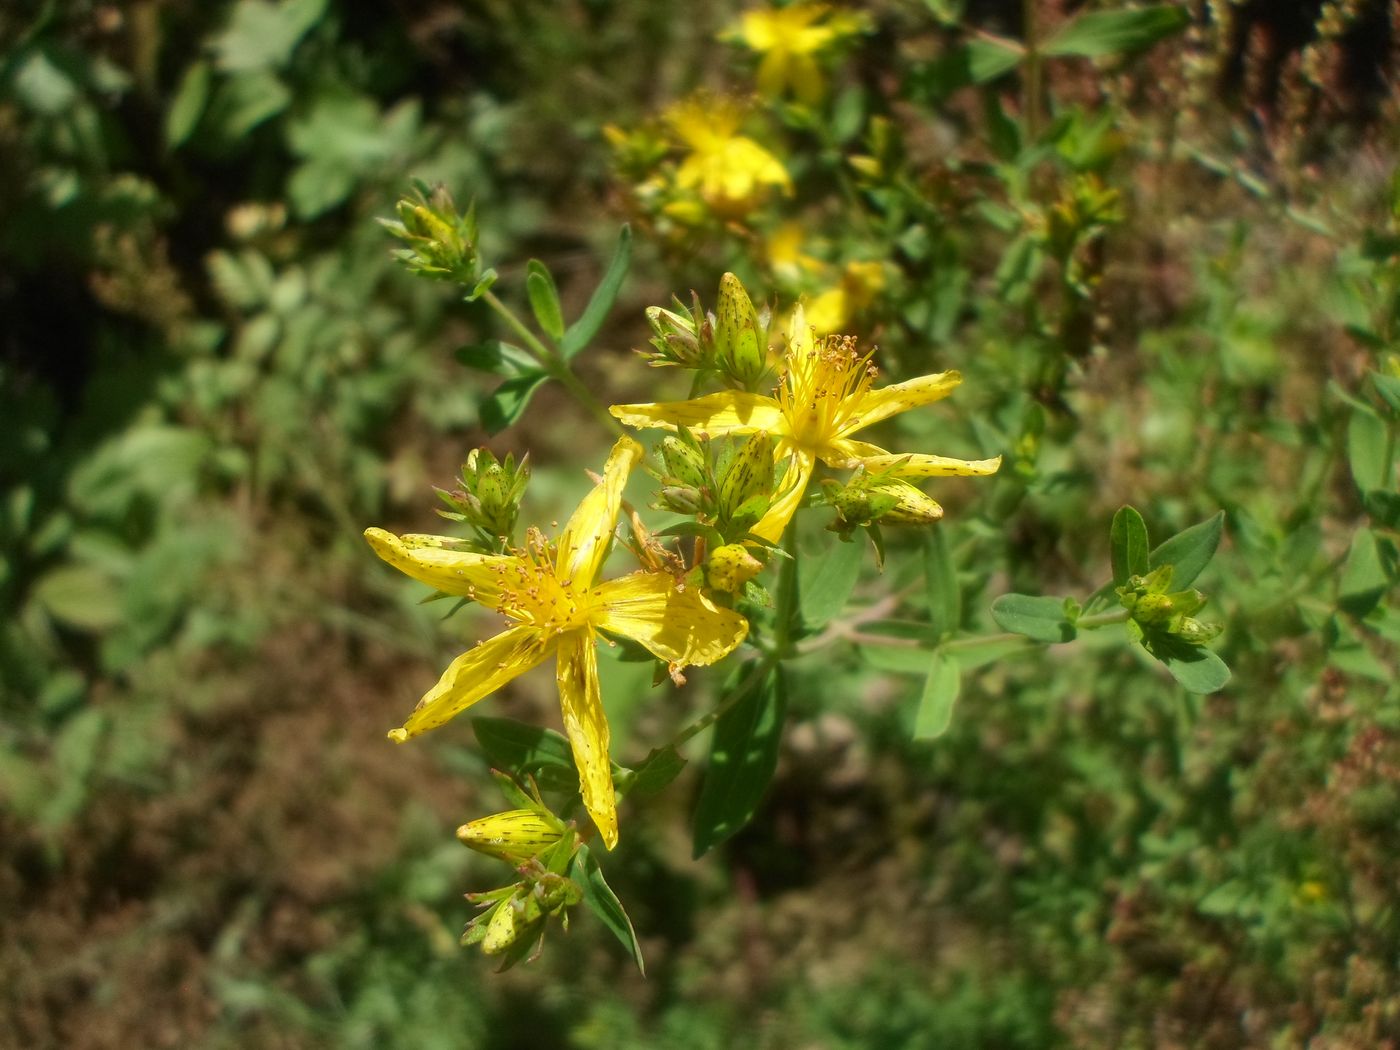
(1127, 544)
(1389, 389)
(1363, 578)
(188, 105)
(1113, 32)
(498, 358)
(941, 584)
(544, 299)
(743, 756)
(1040, 618)
(936, 702)
(989, 57)
(1197, 669)
(517, 748)
(1368, 450)
(243, 102)
(508, 401)
(582, 331)
(825, 582)
(656, 772)
(1190, 550)
(603, 902)
(81, 597)
(262, 35)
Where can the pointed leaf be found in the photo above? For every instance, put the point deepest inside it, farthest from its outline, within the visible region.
(519, 748)
(1113, 32)
(1190, 550)
(743, 756)
(941, 584)
(544, 298)
(603, 902)
(508, 402)
(988, 57)
(582, 331)
(656, 772)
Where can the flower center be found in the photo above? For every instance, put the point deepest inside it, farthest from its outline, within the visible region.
(532, 593)
(820, 395)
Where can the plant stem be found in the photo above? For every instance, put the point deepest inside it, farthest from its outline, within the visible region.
(554, 364)
(1033, 70)
(1103, 619)
(760, 670)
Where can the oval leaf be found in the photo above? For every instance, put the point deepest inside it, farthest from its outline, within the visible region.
(582, 331)
(544, 298)
(1040, 618)
(940, 693)
(603, 902)
(1113, 32)
(1127, 544)
(825, 582)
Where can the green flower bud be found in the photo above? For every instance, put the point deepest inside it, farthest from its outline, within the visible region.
(684, 462)
(749, 474)
(1195, 631)
(682, 499)
(513, 836)
(741, 342)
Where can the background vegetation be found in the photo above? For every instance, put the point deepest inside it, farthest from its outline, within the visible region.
(1170, 275)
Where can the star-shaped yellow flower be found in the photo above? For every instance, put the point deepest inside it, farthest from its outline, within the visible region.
(789, 39)
(825, 395)
(558, 607)
(730, 172)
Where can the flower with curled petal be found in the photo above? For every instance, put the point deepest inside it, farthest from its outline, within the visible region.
(825, 395)
(557, 607)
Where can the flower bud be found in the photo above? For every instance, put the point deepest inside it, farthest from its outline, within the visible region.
(513, 836)
(728, 568)
(684, 462)
(749, 474)
(682, 499)
(741, 349)
(441, 241)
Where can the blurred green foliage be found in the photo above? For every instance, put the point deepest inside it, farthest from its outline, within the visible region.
(1171, 278)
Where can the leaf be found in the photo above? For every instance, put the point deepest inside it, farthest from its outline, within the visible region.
(1198, 670)
(824, 583)
(1363, 578)
(1114, 32)
(497, 357)
(656, 772)
(82, 597)
(243, 102)
(941, 585)
(262, 35)
(517, 748)
(1127, 544)
(743, 756)
(508, 401)
(940, 693)
(1389, 389)
(1040, 618)
(188, 105)
(1190, 550)
(582, 331)
(544, 299)
(603, 902)
(1367, 450)
(988, 57)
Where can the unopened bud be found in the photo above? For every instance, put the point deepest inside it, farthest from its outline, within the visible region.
(682, 499)
(741, 349)
(728, 568)
(684, 462)
(513, 836)
(749, 474)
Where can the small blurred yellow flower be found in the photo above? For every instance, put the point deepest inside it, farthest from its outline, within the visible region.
(826, 394)
(730, 172)
(785, 255)
(558, 607)
(834, 309)
(789, 39)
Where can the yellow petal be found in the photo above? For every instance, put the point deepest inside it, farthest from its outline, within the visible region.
(727, 412)
(794, 483)
(801, 355)
(850, 453)
(474, 675)
(452, 572)
(682, 627)
(772, 74)
(584, 542)
(586, 725)
(805, 74)
(901, 397)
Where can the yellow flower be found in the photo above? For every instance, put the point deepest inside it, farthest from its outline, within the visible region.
(731, 172)
(833, 309)
(825, 395)
(557, 607)
(789, 38)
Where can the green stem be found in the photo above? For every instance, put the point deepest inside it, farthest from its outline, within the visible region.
(554, 364)
(709, 718)
(1033, 71)
(1102, 619)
